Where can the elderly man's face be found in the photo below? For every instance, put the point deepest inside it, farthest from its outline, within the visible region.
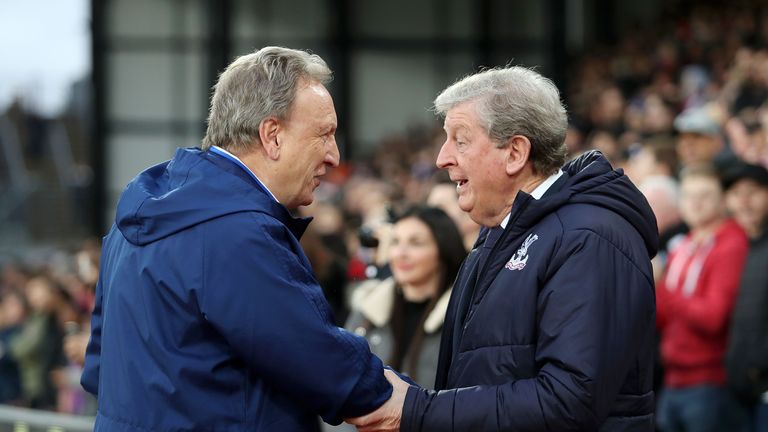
(308, 143)
(476, 165)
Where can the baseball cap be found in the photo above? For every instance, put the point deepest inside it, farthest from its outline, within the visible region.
(696, 120)
(742, 170)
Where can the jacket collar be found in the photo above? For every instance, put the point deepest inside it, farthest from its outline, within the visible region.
(374, 300)
(297, 226)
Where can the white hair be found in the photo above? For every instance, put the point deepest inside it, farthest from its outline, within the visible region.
(664, 184)
(254, 87)
(662, 193)
(515, 101)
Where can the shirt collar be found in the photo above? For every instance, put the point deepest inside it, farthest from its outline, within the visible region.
(545, 185)
(221, 152)
(538, 192)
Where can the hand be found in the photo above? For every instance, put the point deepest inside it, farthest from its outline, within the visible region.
(387, 417)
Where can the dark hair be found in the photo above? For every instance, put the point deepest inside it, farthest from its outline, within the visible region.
(450, 246)
(451, 253)
(664, 151)
(738, 170)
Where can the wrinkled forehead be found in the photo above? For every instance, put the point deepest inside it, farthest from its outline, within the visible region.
(463, 116)
(313, 101)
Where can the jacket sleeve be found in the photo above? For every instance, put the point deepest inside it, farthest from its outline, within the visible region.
(709, 314)
(261, 296)
(90, 377)
(594, 312)
(92, 363)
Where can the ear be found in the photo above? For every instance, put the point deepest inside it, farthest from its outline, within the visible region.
(269, 129)
(518, 153)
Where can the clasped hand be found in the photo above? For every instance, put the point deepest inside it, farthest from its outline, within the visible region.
(387, 417)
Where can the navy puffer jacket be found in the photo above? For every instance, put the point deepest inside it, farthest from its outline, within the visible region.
(559, 333)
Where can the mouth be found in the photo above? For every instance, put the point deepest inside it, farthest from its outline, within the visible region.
(314, 183)
(403, 267)
(460, 184)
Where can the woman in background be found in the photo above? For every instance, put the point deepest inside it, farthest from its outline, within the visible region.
(402, 316)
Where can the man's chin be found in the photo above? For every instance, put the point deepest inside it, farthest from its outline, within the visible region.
(294, 204)
(479, 221)
(307, 201)
(465, 207)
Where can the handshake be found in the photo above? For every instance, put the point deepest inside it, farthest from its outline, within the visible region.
(387, 417)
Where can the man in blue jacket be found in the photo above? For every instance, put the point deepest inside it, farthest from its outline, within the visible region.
(208, 316)
(551, 321)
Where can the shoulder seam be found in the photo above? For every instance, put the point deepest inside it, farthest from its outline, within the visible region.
(631, 261)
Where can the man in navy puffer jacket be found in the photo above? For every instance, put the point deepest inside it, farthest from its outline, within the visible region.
(208, 316)
(551, 321)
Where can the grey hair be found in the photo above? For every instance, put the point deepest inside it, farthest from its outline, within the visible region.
(665, 184)
(511, 101)
(254, 87)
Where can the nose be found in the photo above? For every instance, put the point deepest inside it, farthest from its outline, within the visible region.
(445, 158)
(332, 155)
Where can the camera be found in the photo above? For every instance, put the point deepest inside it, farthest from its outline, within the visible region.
(367, 237)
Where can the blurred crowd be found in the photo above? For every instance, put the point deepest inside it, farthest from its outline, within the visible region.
(45, 307)
(681, 106)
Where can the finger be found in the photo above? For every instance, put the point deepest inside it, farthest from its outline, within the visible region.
(392, 377)
(360, 421)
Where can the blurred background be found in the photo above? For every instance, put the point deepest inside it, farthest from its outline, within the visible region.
(92, 92)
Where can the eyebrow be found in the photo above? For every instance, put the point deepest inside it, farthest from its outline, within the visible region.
(458, 128)
(324, 129)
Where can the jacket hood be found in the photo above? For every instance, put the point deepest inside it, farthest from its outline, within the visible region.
(590, 179)
(193, 187)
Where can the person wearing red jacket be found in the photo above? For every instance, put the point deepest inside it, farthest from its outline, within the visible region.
(695, 299)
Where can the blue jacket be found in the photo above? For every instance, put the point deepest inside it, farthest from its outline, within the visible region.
(208, 316)
(559, 334)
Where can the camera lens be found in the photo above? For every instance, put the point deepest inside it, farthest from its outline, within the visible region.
(367, 238)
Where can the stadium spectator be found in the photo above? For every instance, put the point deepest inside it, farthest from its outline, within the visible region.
(747, 357)
(695, 299)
